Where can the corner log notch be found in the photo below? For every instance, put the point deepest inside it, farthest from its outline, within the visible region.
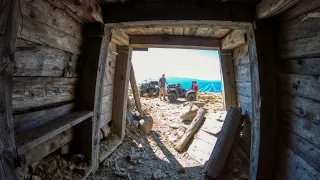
(144, 41)
(177, 10)
(8, 34)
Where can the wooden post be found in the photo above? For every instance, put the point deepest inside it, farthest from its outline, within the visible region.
(228, 80)
(120, 95)
(135, 90)
(8, 33)
(264, 101)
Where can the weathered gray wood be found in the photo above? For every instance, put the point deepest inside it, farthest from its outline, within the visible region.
(119, 37)
(294, 167)
(228, 79)
(109, 76)
(107, 90)
(243, 88)
(33, 92)
(192, 129)
(224, 143)
(41, 33)
(45, 61)
(106, 103)
(301, 66)
(264, 89)
(246, 104)
(175, 10)
(269, 8)
(43, 11)
(241, 56)
(235, 38)
(306, 128)
(23, 122)
(302, 107)
(106, 117)
(120, 95)
(8, 33)
(29, 139)
(87, 10)
(306, 150)
(242, 73)
(175, 41)
(245, 138)
(42, 150)
(300, 85)
(135, 90)
(301, 48)
(301, 8)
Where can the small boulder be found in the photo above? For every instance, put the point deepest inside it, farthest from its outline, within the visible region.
(189, 112)
(145, 124)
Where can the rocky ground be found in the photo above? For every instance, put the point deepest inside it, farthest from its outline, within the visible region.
(158, 158)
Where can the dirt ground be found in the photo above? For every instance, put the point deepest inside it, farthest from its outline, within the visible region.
(159, 159)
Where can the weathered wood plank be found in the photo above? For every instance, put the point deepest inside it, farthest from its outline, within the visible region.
(292, 30)
(120, 95)
(217, 32)
(32, 92)
(269, 8)
(135, 90)
(38, 135)
(246, 104)
(201, 31)
(132, 31)
(42, 150)
(107, 90)
(301, 48)
(241, 56)
(119, 37)
(243, 88)
(177, 31)
(45, 61)
(299, 9)
(107, 103)
(190, 31)
(8, 34)
(242, 73)
(87, 10)
(302, 107)
(300, 85)
(109, 76)
(301, 66)
(306, 150)
(43, 11)
(223, 145)
(229, 87)
(106, 117)
(41, 33)
(23, 122)
(235, 38)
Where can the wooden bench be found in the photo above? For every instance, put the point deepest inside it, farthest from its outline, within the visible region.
(40, 141)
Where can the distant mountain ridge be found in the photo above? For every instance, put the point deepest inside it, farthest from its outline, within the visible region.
(204, 85)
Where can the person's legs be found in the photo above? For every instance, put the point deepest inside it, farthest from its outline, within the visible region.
(160, 93)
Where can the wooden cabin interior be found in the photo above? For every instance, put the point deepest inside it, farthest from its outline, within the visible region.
(65, 67)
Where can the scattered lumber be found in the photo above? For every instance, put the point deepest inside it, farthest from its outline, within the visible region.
(194, 126)
(224, 143)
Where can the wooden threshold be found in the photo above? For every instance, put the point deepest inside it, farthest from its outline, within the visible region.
(35, 136)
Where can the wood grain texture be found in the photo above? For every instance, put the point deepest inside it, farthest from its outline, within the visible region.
(135, 90)
(228, 79)
(246, 104)
(45, 12)
(45, 61)
(119, 37)
(310, 66)
(269, 8)
(120, 95)
(33, 92)
(299, 9)
(8, 35)
(242, 73)
(244, 88)
(107, 102)
(241, 56)
(235, 38)
(41, 33)
(223, 145)
(24, 122)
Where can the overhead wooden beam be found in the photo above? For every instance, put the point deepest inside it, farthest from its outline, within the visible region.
(234, 39)
(269, 8)
(8, 33)
(174, 41)
(164, 10)
(119, 37)
(87, 10)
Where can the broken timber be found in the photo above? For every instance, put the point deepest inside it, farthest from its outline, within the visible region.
(224, 143)
(135, 90)
(194, 126)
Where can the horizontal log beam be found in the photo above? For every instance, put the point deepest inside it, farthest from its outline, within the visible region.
(114, 13)
(87, 10)
(174, 41)
(234, 39)
(269, 8)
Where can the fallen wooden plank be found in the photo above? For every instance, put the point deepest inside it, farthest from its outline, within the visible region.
(269, 8)
(235, 38)
(28, 140)
(135, 90)
(223, 145)
(187, 136)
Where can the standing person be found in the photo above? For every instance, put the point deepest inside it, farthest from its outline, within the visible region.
(162, 84)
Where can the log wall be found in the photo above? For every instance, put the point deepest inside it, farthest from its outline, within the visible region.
(243, 92)
(47, 59)
(298, 46)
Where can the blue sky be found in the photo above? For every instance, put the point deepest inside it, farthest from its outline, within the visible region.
(188, 63)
